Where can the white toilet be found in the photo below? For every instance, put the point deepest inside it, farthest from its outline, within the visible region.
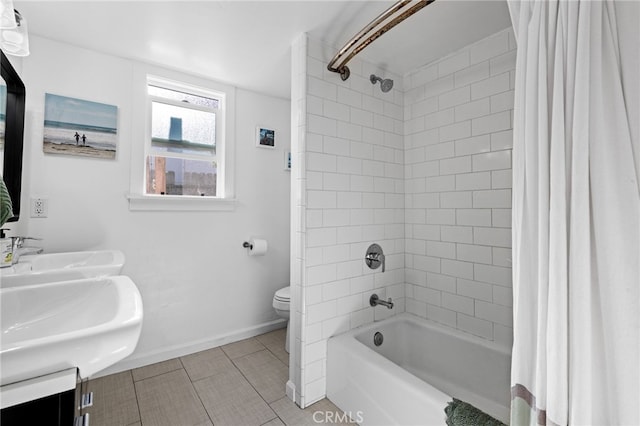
(281, 303)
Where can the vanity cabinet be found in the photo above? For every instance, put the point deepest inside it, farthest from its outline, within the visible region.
(53, 410)
(51, 400)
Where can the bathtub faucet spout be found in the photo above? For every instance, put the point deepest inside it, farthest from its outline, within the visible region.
(375, 300)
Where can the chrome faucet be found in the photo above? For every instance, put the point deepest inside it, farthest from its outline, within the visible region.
(19, 249)
(375, 300)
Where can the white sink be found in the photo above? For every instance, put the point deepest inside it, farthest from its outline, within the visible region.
(89, 324)
(49, 267)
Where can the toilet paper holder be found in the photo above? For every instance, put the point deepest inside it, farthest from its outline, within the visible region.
(256, 246)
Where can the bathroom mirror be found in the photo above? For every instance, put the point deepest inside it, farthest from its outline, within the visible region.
(3, 115)
(12, 94)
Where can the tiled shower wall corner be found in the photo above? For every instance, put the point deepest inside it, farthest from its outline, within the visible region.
(298, 130)
(354, 196)
(425, 171)
(458, 139)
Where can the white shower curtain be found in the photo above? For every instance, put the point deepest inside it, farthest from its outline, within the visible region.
(576, 221)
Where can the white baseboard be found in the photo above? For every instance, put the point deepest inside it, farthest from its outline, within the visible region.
(163, 354)
(312, 401)
(291, 391)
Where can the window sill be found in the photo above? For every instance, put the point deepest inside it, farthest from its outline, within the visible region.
(179, 203)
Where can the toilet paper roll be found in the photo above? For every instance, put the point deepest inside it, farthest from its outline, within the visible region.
(258, 247)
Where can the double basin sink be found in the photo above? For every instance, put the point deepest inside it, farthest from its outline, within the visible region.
(66, 310)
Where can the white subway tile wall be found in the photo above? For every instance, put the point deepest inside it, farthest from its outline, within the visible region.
(458, 189)
(301, 221)
(423, 170)
(353, 192)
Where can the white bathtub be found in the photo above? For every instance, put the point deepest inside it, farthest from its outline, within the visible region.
(419, 367)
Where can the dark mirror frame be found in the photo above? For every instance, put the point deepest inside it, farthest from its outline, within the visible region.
(13, 134)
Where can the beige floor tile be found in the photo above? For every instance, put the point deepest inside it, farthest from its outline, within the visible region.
(242, 348)
(266, 373)
(273, 338)
(230, 400)
(220, 392)
(324, 405)
(275, 342)
(156, 369)
(114, 400)
(322, 412)
(280, 353)
(274, 422)
(170, 399)
(206, 363)
(290, 413)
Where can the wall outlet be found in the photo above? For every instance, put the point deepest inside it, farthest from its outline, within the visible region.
(39, 207)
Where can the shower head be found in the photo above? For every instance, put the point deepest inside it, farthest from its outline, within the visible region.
(385, 85)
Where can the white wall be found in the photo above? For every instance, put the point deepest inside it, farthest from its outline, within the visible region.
(458, 138)
(198, 286)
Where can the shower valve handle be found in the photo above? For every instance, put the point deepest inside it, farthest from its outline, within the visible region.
(375, 257)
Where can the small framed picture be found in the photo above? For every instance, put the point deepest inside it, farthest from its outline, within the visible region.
(265, 137)
(287, 160)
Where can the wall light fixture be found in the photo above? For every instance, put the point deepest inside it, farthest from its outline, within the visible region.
(14, 37)
(7, 16)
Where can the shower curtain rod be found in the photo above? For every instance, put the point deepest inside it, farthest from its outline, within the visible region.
(383, 23)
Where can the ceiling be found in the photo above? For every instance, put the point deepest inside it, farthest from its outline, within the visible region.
(247, 43)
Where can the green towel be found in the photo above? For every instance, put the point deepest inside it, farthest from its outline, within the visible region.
(6, 209)
(459, 413)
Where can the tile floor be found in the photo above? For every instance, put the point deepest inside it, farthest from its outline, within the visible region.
(239, 384)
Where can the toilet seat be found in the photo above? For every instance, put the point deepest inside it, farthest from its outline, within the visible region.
(281, 303)
(282, 299)
(283, 295)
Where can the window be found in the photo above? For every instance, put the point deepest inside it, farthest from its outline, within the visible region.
(184, 140)
(182, 150)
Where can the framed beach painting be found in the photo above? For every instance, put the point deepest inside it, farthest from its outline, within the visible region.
(265, 137)
(79, 127)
